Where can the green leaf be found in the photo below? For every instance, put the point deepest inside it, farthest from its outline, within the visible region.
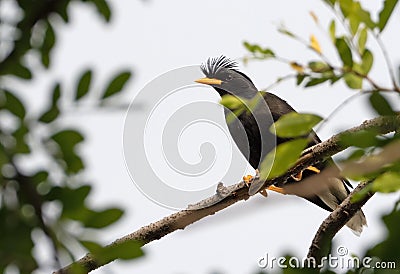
(232, 102)
(286, 32)
(257, 49)
(48, 44)
(117, 84)
(332, 31)
(126, 250)
(73, 199)
(362, 139)
(13, 104)
(385, 13)
(283, 157)
(83, 85)
(294, 124)
(67, 140)
(300, 78)
(315, 81)
(380, 104)
(50, 115)
(367, 62)
(318, 66)
(103, 8)
(93, 247)
(387, 182)
(352, 81)
(20, 71)
(101, 219)
(56, 93)
(344, 52)
(356, 154)
(362, 40)
(353, 11)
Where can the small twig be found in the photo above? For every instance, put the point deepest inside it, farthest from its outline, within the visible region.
(334, 222)
(387, 61)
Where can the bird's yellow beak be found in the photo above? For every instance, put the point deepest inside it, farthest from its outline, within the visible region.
(209, 81)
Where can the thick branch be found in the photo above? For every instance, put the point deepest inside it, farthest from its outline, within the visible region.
(238, 192)
(320, 245)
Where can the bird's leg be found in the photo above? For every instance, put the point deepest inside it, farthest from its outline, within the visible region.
(248, 179)
(277, 189)
(299, 175)
(314, 169)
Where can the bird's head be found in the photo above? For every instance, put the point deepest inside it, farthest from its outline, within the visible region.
(222, 74)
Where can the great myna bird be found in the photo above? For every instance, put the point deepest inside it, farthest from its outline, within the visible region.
(222, 74)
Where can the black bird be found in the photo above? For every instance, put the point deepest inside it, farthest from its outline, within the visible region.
(250, 131)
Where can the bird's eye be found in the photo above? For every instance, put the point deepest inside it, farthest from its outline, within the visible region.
(229, 77)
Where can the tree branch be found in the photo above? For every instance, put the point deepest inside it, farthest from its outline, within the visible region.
(238, 192)
(320, 245)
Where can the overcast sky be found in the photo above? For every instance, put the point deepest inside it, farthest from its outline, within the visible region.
(154, 37)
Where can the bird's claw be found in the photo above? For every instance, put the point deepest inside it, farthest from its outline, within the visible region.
(248, 179)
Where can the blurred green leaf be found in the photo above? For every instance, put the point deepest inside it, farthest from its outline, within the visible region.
(63, 10)
(257, 49)
(380, 104)
(16, 243)
(286, 32)
(40, 176)
(93, 247)
(67, 140)
(385, 13)
(20, 136)
(353, 11)
(101, 219)
(52, 113)
(117, 84)
(73, 199)
(352, 81)
(126, 250)
(389, 249)
(315, 81)
(294, 124)
(83, 85)
(13, 104)
(332, 31)
(232, 102)
(356, 154)
(48, 44)
(344, 52)
(300, 78)
(361, 194)
(20, 71)
(283, 157)
(318, 66)
(362, 40)
(387, 182)
(362, 139)
(367, 62)
(103, 8)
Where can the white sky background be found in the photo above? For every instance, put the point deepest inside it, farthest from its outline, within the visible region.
(154, 37)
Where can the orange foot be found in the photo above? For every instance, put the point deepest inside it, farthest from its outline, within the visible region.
(299, 175)
(248, 179)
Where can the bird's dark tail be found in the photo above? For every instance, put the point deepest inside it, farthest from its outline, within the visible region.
(357, 223)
